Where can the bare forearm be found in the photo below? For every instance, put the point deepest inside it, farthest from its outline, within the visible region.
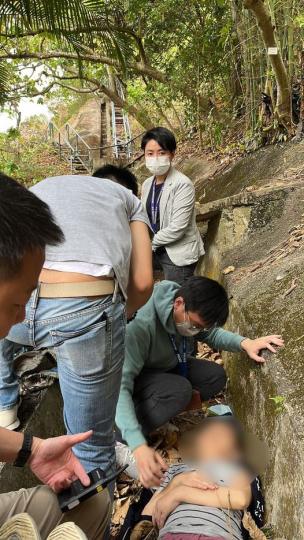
(10, 445)
(223, 497)
(141, 276)
(149, 508)
(136, 299)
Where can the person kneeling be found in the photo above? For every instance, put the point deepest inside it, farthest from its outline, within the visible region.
(159, 373)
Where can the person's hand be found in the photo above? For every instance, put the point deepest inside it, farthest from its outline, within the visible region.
(253, 347)
(193, 479)
(150, 464)
(164, 506)
(54, 463)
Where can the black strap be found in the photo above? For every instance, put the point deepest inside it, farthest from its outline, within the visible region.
(25, 451)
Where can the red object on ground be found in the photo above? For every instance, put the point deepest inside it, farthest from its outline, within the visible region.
(195, 403)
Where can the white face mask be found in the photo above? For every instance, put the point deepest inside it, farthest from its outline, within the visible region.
(158, 165)
(187, 329)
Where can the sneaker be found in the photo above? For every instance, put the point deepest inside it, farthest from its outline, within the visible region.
(19, 527)
(68, 531)
(124, 456)
(9, 418)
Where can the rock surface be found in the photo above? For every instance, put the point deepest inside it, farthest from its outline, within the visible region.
(260, 231)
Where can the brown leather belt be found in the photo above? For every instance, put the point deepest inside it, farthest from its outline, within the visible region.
(77, 289)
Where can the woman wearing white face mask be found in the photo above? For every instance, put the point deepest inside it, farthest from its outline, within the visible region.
(169, 199)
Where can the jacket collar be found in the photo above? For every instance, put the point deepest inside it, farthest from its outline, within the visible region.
(166, 194)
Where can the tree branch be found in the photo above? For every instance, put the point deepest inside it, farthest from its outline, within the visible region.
(138, 67)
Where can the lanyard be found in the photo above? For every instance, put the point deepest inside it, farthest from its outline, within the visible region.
(155, 205)
(182, 359)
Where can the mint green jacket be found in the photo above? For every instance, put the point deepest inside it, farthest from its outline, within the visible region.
(148, 346)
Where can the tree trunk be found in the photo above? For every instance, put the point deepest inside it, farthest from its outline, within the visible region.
(283, 105)
(178, 118)
(302, 92)
(236, 75)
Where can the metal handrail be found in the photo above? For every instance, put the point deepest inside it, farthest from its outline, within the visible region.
(68, 127)
(129, 141)
(63, 140)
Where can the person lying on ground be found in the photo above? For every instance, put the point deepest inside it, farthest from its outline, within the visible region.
(205, 495)
(26, 226)
(159, 373)
(103, 268)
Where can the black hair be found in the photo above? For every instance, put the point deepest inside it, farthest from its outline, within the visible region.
(121, 175)
(207, 298)
(163, 136)
(26, 224)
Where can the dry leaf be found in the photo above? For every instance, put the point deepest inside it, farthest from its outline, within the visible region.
(228, 270)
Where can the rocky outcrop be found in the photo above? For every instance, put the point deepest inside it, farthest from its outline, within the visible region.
(256, 225)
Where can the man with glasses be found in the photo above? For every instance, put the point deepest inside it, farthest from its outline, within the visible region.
(159, 373)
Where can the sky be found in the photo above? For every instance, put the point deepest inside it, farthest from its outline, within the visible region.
(28, 108)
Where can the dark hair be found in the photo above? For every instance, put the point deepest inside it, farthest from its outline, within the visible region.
(207, 298)
(162, 136)
(122, 176)
(26, 223)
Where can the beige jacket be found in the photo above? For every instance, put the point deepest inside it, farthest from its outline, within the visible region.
(178, 230)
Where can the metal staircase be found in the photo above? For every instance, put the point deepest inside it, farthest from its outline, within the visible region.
(71, 147)
(121, 131)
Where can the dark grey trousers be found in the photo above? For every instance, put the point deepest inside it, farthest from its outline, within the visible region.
(179, 274)
(159, 396)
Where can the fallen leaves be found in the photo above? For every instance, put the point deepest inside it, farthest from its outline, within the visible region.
(205, 353)
(228, 270)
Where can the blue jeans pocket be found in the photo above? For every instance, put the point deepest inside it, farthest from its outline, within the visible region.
(85, 352)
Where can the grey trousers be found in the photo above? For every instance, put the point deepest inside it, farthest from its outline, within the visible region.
(92, 516)
(179, 274)
(158, 396)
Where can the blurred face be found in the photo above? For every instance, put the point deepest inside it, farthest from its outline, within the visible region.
(217, 443)
(153, 149)
(15, 292)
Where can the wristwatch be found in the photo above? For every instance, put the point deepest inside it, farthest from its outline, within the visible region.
(25, 451)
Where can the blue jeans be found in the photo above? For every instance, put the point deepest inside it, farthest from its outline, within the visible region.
(88, 339)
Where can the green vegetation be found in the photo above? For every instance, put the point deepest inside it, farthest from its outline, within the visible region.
(26, 155)
(199, 64)
(279, 403)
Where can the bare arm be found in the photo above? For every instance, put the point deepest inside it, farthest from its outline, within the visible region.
(51, 460)
(191, 479)
(223, 497)
(141, 274)
(10, 444)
